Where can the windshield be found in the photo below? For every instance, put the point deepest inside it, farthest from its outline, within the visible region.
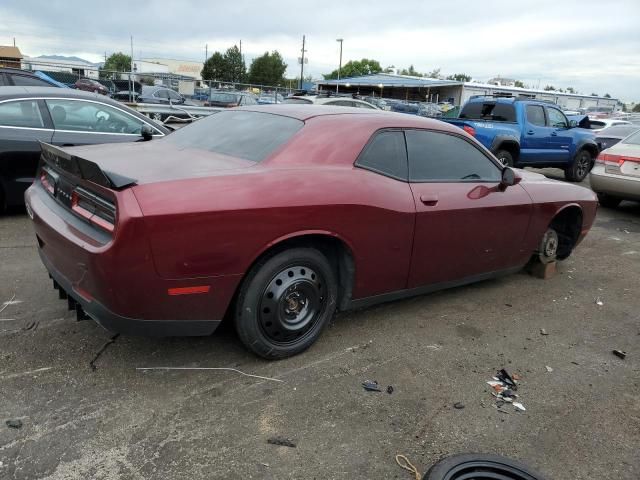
(225, 97)
(248, 135)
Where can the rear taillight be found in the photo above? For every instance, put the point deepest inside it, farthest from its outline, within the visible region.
(47, 180)
(613, 163)
(470, 130)
(93, 208)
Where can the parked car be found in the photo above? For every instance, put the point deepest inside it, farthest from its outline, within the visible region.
(229, 99)
(608, 137)
(522, 132)
(381, 103)
(616, 174)
(160, 95)
(89, 85)
(602, 123)
(270, 98)
(329, 101)
(22, 78)
(59, 116)
(280, 215)
(200, 94)
(126, 96)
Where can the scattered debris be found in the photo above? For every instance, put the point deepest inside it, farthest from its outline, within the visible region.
(515, 376)
(229, 369)
(17, 424)
(620, 354)
(575, 363)
(549, 369)
(371, 386)
(599, 302)
(519, 406)
(543, 332)
(408, 466)
(92, 363)
(6, 304)
(281, 441)
(504, 377)
(390, 389)
(31, 325)
(458, 405)
(434, 347)
(508, 305)
(504, 386)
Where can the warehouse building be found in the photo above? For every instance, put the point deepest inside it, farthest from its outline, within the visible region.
(10, 56)
(403, 87)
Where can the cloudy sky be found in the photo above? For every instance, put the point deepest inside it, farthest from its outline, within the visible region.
(591, 45)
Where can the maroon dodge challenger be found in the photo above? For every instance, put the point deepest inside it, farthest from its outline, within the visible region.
(279, 216)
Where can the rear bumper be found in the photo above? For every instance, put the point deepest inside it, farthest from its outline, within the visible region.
(621, 186)
(125, 325)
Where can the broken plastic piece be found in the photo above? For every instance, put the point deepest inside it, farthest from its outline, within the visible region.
(599, 302)
(504, 376)
(543, 332)
(390, 389)
(281, 441)
(371, 386)
(14, 424)
(620, 354)
(519, 406)
(458, 405)
(549, 369)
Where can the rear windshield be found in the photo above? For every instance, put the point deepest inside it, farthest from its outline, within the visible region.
(595, 124)
(248, 135)
(633, 139)
(499, 112)
(297, 100)
(224, 97)
(619, 131)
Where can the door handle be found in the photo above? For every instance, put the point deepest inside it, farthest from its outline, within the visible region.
(554, 134)
(429, 200)
(530, 132)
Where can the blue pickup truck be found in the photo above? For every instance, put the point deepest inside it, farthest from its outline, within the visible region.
(529, 133)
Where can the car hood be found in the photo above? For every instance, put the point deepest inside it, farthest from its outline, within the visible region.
(157, 161)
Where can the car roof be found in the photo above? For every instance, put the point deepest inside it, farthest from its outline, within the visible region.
(17, 71)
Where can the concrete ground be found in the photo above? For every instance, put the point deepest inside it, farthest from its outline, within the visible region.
(582, 420)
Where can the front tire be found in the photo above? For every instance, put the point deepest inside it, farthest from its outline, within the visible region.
(285, 302)
(582, 165)
(505, 158)
(608, 201)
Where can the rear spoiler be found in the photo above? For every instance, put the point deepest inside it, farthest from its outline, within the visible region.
(83, 168)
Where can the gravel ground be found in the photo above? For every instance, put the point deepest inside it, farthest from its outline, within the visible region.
(582, 420)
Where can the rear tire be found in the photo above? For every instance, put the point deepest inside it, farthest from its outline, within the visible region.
(608, 201)
(286, 301)
(505, 158)
(580, 168)
(480, 466)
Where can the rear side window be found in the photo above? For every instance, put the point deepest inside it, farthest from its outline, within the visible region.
(535, 115)
(440, 157)
(386, 154)
(633, 139)
(248, 135)
(24, 81)
(499, 112)
(24, 113)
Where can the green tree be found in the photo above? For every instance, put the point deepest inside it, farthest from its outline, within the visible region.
(214, 67)
(519, 84)
(235, 69)
(594, 94)
(268, 69)
(636, 107)
(549, 88)
(571, 90)
(435, 73)
(460, 77)
(410, 71)
(355, 68)
(116, 62)
(606, 95)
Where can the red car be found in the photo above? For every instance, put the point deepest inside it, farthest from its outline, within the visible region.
(89, 85)
(280, 215)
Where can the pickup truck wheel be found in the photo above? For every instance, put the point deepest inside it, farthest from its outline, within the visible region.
(505, 157)
(582, 164)
(608, 201)
(285, 303)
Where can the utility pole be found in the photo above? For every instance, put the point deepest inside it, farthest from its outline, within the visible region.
(206, 52)
(302, 63)
(340, 64)
(131, 84)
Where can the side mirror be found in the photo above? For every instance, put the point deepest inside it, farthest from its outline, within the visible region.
(146, 132)
(573, 124)
(508, 177)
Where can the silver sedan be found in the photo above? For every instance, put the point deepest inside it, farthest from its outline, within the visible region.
(616, 173)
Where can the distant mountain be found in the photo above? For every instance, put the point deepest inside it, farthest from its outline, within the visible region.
(62, 58)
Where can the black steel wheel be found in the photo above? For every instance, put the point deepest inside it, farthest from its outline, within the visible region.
(473, 466)
(285, 302)
(582, 164)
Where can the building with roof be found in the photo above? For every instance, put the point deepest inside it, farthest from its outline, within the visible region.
(409, 88)
(10, 56)
(72, 65)
(183, 68)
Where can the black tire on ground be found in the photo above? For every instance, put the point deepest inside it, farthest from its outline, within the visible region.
(285, 302)
(581, 166)
(505, 157)
(608, 201)
(480, 466)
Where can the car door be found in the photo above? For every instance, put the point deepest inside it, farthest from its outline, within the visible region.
(534, 147)
(22, 126)
(161, 96)
(467, 224)
(87, 122)
(560, 139)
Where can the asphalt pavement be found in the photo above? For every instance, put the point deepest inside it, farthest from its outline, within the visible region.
(114, 421)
